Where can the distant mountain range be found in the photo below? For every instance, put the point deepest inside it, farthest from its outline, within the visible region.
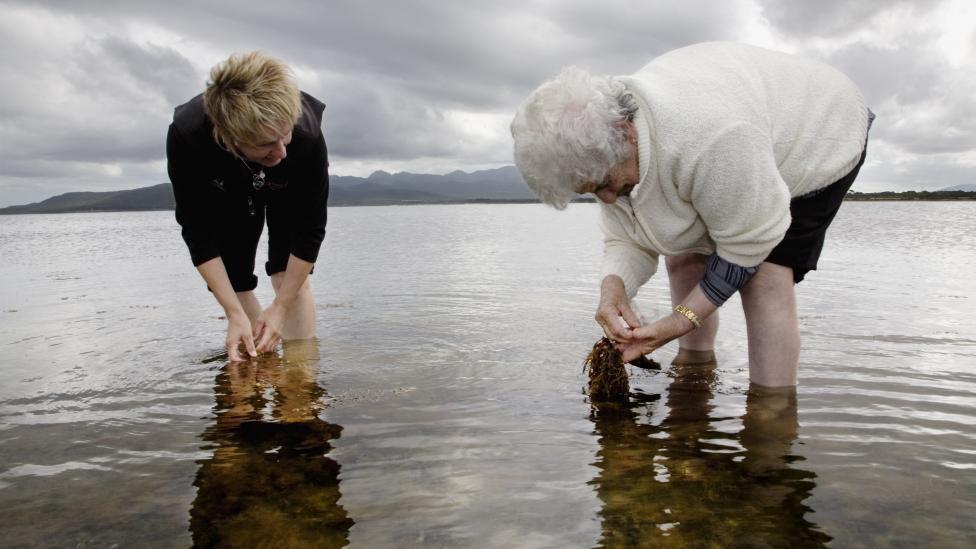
(157, 197)
(971, 188)
(380, 188)
(500, 184)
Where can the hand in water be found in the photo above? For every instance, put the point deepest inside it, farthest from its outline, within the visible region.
(267, 329)
(238, 332)
(645, 339)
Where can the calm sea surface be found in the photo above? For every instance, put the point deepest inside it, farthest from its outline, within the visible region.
(442, 406)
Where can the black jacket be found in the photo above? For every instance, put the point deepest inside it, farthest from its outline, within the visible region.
(215, 198)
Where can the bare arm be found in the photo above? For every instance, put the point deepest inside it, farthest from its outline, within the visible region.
(238, 325)
(646, 339)
(267, 330)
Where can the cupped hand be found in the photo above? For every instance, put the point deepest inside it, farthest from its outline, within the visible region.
(267, 329)
(238, 332)
(614, 314)
(646, 339)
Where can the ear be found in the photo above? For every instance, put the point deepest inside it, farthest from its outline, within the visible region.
(629, 129)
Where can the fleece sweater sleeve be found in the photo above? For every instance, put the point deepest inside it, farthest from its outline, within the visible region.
(634, 264)
(737, 190)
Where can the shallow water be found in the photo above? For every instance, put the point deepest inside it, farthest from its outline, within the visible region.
(442, 404)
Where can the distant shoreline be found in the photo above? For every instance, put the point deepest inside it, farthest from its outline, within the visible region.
(460, 202)
(872, 199)
(336, 205)
(911, 196)
(888, 196)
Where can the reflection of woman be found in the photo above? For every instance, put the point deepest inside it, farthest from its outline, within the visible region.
(686, 483)
(252, 144)
(730, 160)
(269, 482)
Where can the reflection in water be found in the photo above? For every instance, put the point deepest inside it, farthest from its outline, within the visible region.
(269, 482)
(684, 483)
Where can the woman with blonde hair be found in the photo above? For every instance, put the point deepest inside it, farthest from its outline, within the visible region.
(251, 148)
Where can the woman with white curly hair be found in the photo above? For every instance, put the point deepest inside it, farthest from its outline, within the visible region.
(729, 160)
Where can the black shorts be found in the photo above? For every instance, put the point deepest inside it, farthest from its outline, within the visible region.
(239, 252)
(812, 213)
(238, 244)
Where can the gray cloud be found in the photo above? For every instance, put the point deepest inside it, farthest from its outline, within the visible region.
(154, 69)
(832, 18)
(926, 105)
(107, 101)
(426, 83)
(905, 172)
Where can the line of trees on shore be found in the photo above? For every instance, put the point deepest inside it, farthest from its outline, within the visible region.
(913, 195)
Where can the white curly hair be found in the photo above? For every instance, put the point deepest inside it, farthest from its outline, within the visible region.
(569, 132)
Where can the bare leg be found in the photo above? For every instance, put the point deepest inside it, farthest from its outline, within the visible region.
(298, 396)
(769, 303)
(300, 323)
(769, 428)
(251, 305)
(684, 273)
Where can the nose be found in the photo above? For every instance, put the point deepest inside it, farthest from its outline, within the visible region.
(280, 151)
(606, 195)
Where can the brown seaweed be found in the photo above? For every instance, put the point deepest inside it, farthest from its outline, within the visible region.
(645, 363)
(608, 377)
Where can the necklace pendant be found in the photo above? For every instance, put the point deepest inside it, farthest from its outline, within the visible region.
(257, 180)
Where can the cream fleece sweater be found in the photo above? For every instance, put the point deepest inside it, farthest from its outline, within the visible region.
(727, 135)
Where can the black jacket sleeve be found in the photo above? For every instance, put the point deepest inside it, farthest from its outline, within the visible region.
(190, 190)
(311, 200)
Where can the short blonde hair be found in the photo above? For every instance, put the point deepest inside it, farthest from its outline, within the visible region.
(247, 94)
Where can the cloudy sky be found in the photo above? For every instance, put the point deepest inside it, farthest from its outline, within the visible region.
(430, 86)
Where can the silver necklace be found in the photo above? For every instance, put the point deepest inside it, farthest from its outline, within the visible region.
(257, 179)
